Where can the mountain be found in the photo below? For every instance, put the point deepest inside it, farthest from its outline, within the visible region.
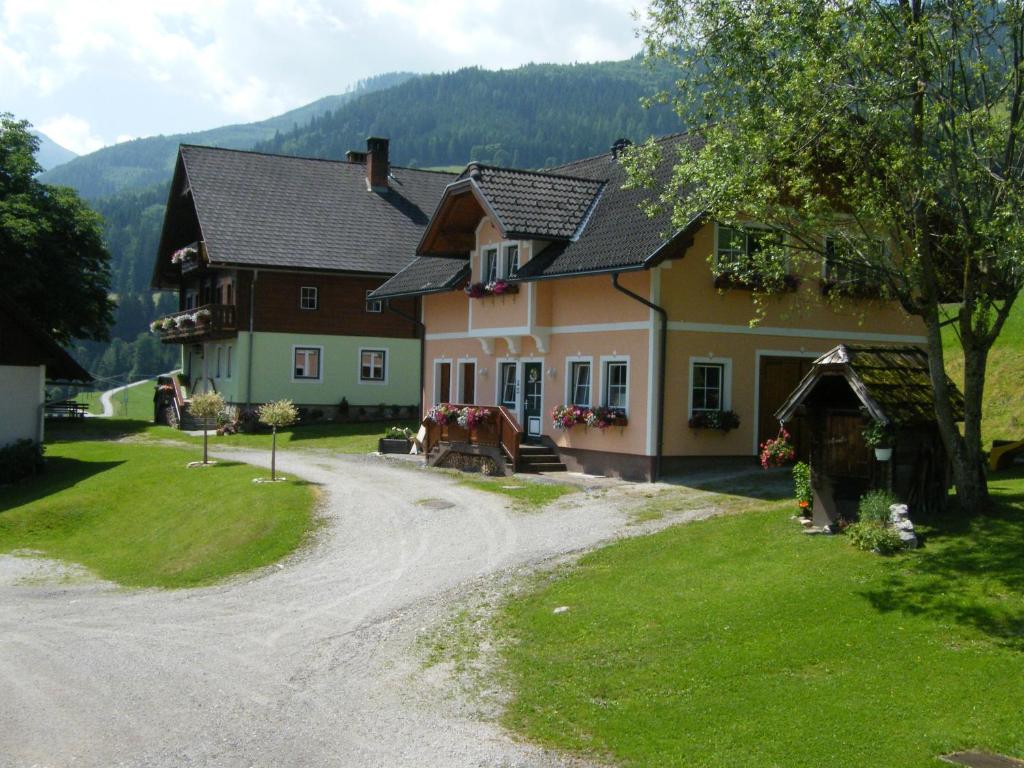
(145, 162)
(51, 154)
(533, 116)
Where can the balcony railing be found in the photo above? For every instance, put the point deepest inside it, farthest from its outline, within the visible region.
(210, 321)
(498, 430)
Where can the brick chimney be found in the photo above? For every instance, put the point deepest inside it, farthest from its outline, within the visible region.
(377, 166)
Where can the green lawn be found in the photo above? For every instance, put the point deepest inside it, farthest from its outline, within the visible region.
(133, 403)
(527, 494)
(133, 513)
(740, 642)
(1003, 410)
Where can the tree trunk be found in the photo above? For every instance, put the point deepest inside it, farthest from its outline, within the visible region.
(273, 453)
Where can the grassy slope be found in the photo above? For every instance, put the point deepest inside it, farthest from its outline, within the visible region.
(738, 641)
(1003, 414)
(139, 402)
(134, 514)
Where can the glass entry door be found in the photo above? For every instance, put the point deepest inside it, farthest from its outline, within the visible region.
(509, 396)
(533, 397)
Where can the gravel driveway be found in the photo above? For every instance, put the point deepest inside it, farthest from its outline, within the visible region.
(313, 663)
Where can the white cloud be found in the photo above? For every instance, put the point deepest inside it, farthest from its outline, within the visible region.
(71, 132)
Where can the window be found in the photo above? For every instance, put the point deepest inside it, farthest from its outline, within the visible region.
(371, 364)
(191, 299)
(845, 269)
(309, 297)
(220, 352)
(616, 384)
(373, 305)
(579, 381)
(736, 245)
(229, 362)
(508, 385)
(490, 265)
(511, 260)
(307, 362)
(708, 384)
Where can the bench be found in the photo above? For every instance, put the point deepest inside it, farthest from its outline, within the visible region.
(65, 409)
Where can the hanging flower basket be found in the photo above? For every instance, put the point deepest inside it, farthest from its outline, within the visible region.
(883, 454)
(778, 451)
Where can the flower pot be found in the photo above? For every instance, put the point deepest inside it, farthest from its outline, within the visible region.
(392, 445)
(883, 454)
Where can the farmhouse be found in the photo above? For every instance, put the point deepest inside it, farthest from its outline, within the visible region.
(273, 259)
(552, 297)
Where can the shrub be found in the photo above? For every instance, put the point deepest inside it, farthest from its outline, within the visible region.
(871, 536)
(877, 434)
(397, 433)
(802, 487)
(21, 459)
(280, 413)
(874, 506)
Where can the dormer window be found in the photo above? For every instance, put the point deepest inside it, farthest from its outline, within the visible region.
(511, 260)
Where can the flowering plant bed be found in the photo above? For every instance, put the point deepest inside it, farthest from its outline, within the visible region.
(495, 288)
(565, 417)
(723, 421)
(443, 413)
(471, 418)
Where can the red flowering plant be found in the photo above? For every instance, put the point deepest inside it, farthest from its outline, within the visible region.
(443, 414)
(499, 287)
(603, 417)
(568, 416)
(778, 451)
(476, 290)
(471, 417)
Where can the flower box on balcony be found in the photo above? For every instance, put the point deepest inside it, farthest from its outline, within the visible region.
(565, 417)
(727, 280)
(496, 288)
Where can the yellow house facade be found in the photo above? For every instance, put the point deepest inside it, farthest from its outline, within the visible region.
(553, 289)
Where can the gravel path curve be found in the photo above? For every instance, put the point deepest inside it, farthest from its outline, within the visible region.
(308, 664)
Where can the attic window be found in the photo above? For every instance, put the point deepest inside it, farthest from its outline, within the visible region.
(490, 265)
(309, 297)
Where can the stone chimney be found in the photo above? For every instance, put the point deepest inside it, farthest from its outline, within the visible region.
(377, 166)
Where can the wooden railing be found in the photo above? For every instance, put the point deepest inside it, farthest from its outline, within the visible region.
(208, 321)
(500, 429)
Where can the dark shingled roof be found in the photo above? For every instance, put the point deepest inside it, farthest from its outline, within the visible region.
(426, 274)
(528, 204)
(24, 342)
(892, 383)
(275, 211)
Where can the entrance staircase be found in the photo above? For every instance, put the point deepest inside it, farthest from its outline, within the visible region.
(539, 458)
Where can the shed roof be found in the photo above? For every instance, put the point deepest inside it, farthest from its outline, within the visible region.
(892, 383)
(24, 342)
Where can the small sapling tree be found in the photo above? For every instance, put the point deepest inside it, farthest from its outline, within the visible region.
(206, 407)
(281, 413)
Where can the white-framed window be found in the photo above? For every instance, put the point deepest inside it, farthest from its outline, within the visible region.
(615, 383)
(844, 268)
(373, 305)
(191, 298)
(735, 246)
(309, 297)
(489, 262)
(710, 384)
(373, 365)
(307, 363)
(511, 260)
(579, 379)
(508, 384)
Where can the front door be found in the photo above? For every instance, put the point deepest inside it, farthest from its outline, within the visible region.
(533, 397)
(468, 383)
(779, 376)
(509, 395)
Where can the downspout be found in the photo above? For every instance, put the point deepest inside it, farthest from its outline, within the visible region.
(252, 312)
(421, 330)
(660, 430)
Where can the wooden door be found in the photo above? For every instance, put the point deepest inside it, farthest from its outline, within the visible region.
(468, 384)
(444, 382)
(778, 377)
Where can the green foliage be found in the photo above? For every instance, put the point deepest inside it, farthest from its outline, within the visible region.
(874, 506)
(280, 413)
(20, 459)
(871, 536)
(802, 487)
(127, 512)
(398, 433)
(206, 406)
(877, 434)
(52, 256)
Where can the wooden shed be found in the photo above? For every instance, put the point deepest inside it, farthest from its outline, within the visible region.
(846, 389)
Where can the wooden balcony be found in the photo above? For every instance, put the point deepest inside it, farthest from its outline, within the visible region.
(206, 323)
(498, 436)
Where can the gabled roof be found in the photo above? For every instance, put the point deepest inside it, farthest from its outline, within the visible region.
(426, 274)
(891, 383)
(24, 342)
(275, 211)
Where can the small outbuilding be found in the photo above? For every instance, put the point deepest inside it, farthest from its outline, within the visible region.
(848, 389)
(29, 358)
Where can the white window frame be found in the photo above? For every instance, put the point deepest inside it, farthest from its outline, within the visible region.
(506, 262)
(436, 388)
(303, 297)
(863, 280)
(605, 360)
(460, 381)
(375, 306)
(726, 363)
(485, 262)
(320, 364)
(570, 385)
(191, 298)
(745, 228)
(384, 364)
(500, 382)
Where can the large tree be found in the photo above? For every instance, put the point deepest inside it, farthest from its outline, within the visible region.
(891, 128)
(52, 257)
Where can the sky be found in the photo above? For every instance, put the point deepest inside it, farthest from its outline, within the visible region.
(89, 74)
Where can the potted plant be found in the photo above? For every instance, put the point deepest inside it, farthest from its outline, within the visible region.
(603, 417)
(778, 451)
(395, 440)
(206, 407)
(878, 435)
(723, 421)
(281, 413)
